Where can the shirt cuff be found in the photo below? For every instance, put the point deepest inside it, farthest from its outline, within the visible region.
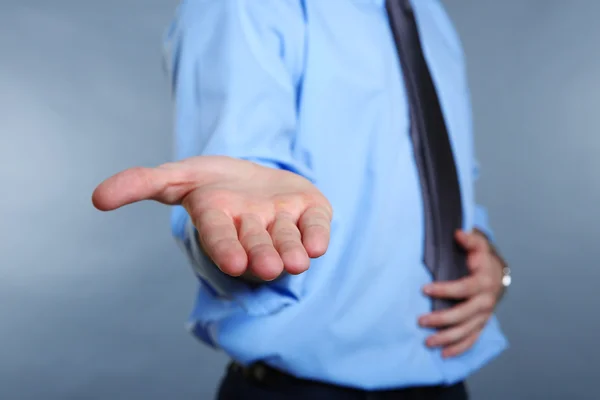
(481, 222)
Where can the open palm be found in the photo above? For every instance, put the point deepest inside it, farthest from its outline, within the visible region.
(250, 219)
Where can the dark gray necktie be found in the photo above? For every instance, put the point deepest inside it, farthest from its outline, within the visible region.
(433, 153)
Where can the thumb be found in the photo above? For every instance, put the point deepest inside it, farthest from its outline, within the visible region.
(471, 241)
(166, 184)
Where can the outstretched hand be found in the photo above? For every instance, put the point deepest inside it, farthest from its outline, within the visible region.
(250, 218)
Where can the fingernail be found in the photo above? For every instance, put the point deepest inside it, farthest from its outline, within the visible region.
(427, 289)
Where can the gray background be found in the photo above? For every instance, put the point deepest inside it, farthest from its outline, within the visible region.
(92, 306)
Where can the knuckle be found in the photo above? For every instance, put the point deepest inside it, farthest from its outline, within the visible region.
(315, 225)
(284, 216)
(441, 287)
(487, 304)
(472, 286)
(215, 236)
(461, 287)
(486, 282)
(254, 233)
(254, 240)
(286, 234)
(454, 335)
(220, 246)
(259, 248)
(435, 319)
(323, 210)
(287, 245)
(316, 216)
(456, 289)
(312, 198)
(141, 174)
(444, 318)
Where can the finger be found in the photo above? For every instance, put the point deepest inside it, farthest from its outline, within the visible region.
(264, 261)
(167, 184)
(452, 316)
(462, 288)
(287, 241)
(457, 333)
(476, 259)
(219, 238)
(471, 241)
(315, 225)
(460, 347)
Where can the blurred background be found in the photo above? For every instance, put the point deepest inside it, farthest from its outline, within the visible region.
(93, 306)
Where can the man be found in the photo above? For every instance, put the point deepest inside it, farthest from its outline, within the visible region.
(329, 134)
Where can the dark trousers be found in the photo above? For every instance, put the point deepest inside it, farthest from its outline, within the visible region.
(266, 384)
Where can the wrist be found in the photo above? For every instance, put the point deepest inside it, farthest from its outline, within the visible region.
(506, 278)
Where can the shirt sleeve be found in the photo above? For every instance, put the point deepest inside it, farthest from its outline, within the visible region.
(234, 67)
(480, 218)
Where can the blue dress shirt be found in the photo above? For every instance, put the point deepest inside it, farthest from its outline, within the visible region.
(315, 87)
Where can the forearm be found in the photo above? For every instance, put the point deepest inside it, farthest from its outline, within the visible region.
(235, 93)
